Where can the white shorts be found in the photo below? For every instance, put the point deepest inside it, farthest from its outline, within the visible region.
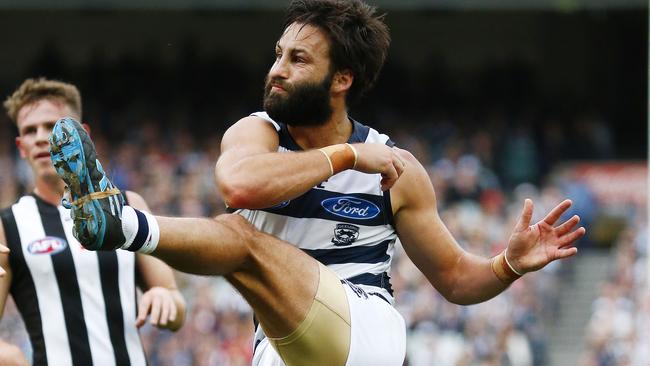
(378, 333)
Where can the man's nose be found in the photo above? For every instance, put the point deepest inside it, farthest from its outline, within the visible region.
(279, 70)
(43, 135)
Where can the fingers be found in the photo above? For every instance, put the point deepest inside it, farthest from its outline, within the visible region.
(393, 172)
(156, 307)
(389, 178)
(526, 216)
(173, 312)
(566, 252)
(398, 164)
(557, 211)
(159, 305)
(164, 313)
(568, 225)
(397, 157)
(570, 238)
(143, 310)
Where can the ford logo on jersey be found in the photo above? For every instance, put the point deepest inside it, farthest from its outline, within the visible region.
(351, 207)
(48, 245)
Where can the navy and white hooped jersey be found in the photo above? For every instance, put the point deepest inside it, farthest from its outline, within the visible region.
(345, 222)
(79, 306)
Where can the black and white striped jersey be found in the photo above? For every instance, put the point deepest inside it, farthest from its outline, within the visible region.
(345, 222)
(79, 306)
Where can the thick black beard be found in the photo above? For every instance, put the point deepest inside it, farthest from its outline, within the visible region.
(306, 104)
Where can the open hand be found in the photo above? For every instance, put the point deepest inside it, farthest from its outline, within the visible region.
(532, 247)
(159, 303)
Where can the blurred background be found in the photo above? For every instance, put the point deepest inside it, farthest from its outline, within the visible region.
(499, 99)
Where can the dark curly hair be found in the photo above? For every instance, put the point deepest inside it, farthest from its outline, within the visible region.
(359, 38)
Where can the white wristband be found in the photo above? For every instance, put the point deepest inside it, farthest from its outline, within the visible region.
(505, 255)
(329, 161)
(356, 155)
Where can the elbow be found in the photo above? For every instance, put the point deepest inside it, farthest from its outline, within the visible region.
(460, 300)
(239, 195)
(455, 296)
(464, 294)
(452, 289)
(235, 190)
(451, 295)
(235, 197)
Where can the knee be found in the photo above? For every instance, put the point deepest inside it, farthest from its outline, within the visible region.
(240, 225)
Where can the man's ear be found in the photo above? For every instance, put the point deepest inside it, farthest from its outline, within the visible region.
(342, 81)
(19, 145)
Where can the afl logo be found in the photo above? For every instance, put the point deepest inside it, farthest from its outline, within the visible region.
(351, 207)
(48, 245)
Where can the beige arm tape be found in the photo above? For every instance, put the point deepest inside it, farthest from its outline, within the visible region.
(502, 269)
(340, 157)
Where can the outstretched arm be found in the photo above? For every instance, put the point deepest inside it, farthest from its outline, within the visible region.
(251, 173)
(462, 277)
(161, 300)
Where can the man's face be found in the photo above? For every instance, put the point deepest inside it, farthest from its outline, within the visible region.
(297, 88)
(35, 122)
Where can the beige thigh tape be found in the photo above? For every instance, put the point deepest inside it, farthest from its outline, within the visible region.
(323, 337)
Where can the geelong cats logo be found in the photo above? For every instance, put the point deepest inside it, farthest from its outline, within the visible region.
(48, 245)
(345, 234)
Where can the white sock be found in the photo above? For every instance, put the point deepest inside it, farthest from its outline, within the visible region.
(140, 230)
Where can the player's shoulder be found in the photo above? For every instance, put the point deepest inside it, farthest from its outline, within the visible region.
(407, 157)
(258, 119)
(414, 184)
(255, 128)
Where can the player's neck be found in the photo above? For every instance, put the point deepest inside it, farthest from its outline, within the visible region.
(337, 130)
(49, 191)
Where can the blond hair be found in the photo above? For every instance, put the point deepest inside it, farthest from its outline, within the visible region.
(33, 90)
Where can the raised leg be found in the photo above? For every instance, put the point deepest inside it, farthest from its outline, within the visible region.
(278, 280)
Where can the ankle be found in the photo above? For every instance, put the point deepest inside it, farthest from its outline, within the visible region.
(140, 230)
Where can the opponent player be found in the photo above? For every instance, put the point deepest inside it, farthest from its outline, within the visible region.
(308, 173)
(79, 307)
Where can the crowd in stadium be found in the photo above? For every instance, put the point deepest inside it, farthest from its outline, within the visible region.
(619, 329)
(481, 174)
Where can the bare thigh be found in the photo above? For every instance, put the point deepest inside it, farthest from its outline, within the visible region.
(278, 280)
